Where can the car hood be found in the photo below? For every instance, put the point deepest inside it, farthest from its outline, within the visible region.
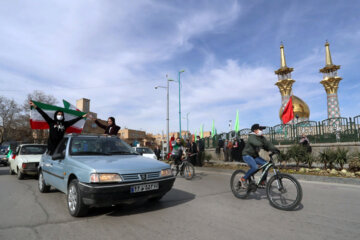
(121, 163)
(30, 158)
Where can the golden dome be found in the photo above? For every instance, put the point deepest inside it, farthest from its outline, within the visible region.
(301, 109)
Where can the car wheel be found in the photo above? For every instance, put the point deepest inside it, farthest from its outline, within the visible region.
(43, 188)
(20, 175)
(74, 200)
(11, 171)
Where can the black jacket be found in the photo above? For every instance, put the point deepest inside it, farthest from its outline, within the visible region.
(56, 129)
(111, 130)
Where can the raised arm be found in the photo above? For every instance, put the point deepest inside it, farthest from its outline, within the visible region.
(42, 113)
(100, 125)
(73, 121)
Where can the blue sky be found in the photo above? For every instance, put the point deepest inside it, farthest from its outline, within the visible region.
(116, 52)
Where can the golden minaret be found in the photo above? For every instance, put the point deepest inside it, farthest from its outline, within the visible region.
(284, 83)
(331, 84)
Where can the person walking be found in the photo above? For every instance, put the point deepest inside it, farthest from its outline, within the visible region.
(229, 150)
(157, 152)
(57, 126)
(201, 149)
(193, 151)
(111, 128)
(225, 150)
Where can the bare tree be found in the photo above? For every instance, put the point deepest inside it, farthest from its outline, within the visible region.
(9, 112)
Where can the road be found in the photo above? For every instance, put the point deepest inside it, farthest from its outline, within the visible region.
(203, 208)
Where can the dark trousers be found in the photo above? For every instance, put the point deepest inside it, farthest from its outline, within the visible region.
(199, 159)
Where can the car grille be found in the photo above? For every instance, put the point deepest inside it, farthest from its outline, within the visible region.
(140, 176)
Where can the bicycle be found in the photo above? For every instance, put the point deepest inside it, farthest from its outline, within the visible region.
(185, 168)
(283, 190)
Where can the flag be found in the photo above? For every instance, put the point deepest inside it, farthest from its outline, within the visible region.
(38, 122)
(195, 136)
(8, 156)
(288, 113)
(170, 146)
(68, 105)
(236, 127)
(202, 131)
(213, 131)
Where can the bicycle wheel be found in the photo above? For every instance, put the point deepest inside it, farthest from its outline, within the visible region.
(174, 169)
(188, 170)
(236, 186)
(284, 192)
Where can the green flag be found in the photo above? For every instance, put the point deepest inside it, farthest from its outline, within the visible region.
(213, 131)
(202, 131)
(195, 136)
(236, 127)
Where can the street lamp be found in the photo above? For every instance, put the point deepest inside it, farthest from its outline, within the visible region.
(187, 124)
(180, 103)
(167, 110)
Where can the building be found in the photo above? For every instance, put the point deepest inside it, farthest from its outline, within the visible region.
(284, 83)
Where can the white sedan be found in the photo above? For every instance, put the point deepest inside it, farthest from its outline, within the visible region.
(145, 152)
(25, 160)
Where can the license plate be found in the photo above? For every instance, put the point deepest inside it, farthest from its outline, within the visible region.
(144, 187)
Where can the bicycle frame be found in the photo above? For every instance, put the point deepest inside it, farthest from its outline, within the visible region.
(266, 167)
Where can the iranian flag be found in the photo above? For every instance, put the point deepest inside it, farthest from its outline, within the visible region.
(38, 122)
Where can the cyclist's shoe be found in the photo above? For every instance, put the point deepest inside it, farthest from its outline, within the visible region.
(244, 183)
(262, 184)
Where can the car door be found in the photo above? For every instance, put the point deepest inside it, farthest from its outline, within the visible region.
(56, 169)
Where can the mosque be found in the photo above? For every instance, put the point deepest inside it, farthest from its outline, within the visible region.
(301, 109)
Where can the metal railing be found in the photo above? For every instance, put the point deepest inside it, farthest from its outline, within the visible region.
(327, 131)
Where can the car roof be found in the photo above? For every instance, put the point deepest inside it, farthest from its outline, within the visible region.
(31, 144)
(92, 135)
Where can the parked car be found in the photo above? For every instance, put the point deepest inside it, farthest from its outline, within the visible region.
(3, 155)
(146, 152)
(25, 160)
(98, 171)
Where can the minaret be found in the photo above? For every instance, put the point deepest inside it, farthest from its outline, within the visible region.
(331, 84)
(284, 79)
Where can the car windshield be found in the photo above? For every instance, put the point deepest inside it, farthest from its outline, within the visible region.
(32, 149)
(99, 146)
(144, 150)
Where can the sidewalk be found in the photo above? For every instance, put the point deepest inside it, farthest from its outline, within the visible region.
(217, 168)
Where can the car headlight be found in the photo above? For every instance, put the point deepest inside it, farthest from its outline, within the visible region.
(105, 177)
(166, 172)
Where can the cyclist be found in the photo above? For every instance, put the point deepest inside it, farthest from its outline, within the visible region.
(256, 141)
(177, 152)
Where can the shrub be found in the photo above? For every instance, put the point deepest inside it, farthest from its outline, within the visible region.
(309, 159)
(282, 157)
(297, 153)
(354, 163)
(328, 157)
(207, 156)
(341, 156)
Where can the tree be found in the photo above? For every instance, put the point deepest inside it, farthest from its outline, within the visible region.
(9, 112)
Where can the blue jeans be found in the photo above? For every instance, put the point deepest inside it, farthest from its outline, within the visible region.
(253, 164)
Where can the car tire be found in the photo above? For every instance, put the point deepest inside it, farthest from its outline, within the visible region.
(43, 188)
(20, 175)
(74, 200)
(11, 171)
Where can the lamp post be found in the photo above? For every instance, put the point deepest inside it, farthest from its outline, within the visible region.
(187, 125)
(180, 104)
(167, 110)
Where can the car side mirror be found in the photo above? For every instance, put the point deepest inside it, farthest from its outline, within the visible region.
(58, 156)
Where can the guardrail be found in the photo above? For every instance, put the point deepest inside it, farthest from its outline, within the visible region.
(327, 131)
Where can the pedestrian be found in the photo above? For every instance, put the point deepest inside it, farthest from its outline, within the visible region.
(304, 141)
(220, 145)
(57, 126)
(229, 150)
(111, 128)
(157, 152)
(225, 150)
(201, 149)
(193, 152)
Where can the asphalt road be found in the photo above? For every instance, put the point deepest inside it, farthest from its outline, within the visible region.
(203, 208)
